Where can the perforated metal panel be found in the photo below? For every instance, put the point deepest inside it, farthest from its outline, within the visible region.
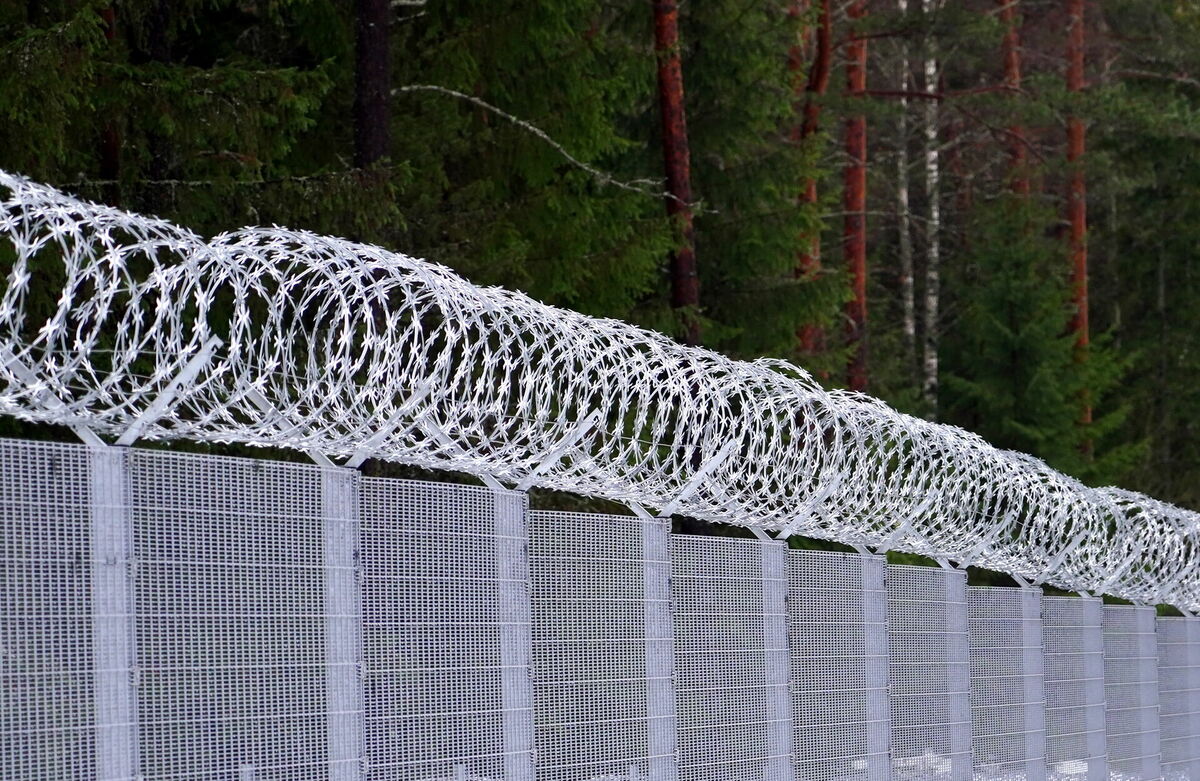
(1073, 634)
(47, 686)
(837, 629)
(1131, 693)
(1179, 697)
(731, 659)
(603, 701)
(930, 672)
(228, 563)
(446, 632)
(1008, 698)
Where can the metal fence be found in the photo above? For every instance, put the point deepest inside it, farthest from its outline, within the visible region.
(180, 616)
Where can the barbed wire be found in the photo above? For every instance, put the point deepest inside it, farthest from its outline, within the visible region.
(111, 320)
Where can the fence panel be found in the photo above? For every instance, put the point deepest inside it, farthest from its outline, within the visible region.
(1179, 697)
(1131, 693)
(1073, 632)
(602, 652)
(1008, 697)
(930, 673)
(837, 627)
(167, 616)
(731, 659)
(47, 678)
(446, 632)
(228, 566)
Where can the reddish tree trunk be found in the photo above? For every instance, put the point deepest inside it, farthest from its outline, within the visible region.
(808, 263)
(685, 281)
(855, 207)
(372, 82)
(1011, 49)
(1077, 196)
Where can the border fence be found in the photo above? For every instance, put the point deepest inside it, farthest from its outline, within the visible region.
(184, 616)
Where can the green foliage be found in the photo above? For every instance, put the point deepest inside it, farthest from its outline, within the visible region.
(1015, 377)
(501, 204)
(748, 176)
(47, 91)
(230, 113)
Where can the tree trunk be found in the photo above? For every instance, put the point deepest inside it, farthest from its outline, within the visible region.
(933, 259)
(903, 206)
(1011, 51)
(685, 281)
(159, 50)
(855, 205)
(1077, 200)
(372, 82)
(808, 263)
(110, 135)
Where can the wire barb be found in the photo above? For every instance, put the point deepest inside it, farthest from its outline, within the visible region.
(334, 338)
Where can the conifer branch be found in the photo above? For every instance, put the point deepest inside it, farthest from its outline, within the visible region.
(643, 186)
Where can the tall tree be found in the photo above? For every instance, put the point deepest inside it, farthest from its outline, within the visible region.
(1012, 376)
(855, 201)
(813, 87)
(1011, 53)
(742, 120)
(1077, 198)
(933, 227)
(685, 277)
(372, 82)
(904, 220)
(110, 132)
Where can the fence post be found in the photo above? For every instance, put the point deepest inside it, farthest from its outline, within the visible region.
(112, 616)
(516, 641)
(1033, 663)
(959, 656)
(662, 743)
(343, 624)
(778, 667)
(877, 677)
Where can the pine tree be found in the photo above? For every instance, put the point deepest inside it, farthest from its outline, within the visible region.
(1015, 380)
(747, 171)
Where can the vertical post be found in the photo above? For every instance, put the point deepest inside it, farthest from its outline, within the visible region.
(661, 729)
(343, 624)
(775, 643)
(1093, 652)
(877, 674)
(1033, 664)
(1151, 723)
(112, 616)
(516, 642)
(959, 673)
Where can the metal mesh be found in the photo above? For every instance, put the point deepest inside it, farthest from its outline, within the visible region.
(172, 616)
(227, 562)
(47, 686)
(731, 659)
(269, 336)
(445, 632)
(1131, 693)
(930, 673)
(1179, 697)
(1008, 699)
(837, 629)
(1073, 635)
(602, 653)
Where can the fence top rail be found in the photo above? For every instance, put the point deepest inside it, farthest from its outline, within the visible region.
(114, 322)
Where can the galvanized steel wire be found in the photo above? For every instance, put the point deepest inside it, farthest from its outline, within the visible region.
(107, 319)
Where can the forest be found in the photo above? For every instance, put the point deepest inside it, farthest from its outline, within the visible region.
(975, 210)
